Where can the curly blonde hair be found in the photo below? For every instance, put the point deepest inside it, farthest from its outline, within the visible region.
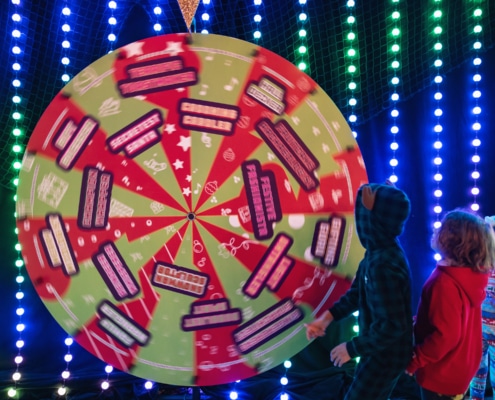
(465, 239)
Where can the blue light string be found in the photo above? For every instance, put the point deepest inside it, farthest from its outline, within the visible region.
(438, 131)
(112, 22)
(476, 96)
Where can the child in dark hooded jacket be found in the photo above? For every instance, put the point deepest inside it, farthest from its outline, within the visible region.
(381, 292)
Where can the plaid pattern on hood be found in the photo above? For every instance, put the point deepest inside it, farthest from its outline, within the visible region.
(385, 222)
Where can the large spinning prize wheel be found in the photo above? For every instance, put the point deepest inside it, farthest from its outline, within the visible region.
(186, 204)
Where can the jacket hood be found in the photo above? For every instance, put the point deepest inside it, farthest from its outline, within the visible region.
(380, 226)
(472, 283)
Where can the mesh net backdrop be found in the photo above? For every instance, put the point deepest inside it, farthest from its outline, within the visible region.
(327, 43)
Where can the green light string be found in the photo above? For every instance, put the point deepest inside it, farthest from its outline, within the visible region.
(302, 37)
(395, 44)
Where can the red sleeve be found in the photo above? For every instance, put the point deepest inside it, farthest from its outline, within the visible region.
(444, 316)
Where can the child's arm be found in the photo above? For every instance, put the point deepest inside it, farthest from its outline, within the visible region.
(349, 302)
(318, 326)
(444, 315)
(388, 300)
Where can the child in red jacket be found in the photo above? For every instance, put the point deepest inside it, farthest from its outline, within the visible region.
(448, 322)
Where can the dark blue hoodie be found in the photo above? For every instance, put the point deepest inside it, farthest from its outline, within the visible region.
(381, 290)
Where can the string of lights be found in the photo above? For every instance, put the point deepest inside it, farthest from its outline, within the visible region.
(284, 381)
(112, 38)
(395, 36)
(234, 395)
(355, 329)
(258, 6)
(302, 47)
(157, 12)
(112, 22)
(351, 49)
(205, 16)
(66, 28)
(62, 390)
(477, 34)
(437, 21)
(105, 384)
(17, 119)
(352, 59)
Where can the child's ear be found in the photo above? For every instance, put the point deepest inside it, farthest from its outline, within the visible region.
(368, 197)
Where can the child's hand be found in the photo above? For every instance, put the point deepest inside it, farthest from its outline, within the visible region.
(315, 329)
(339, 355)
(409, 370)
(368, 197)
(318, 327)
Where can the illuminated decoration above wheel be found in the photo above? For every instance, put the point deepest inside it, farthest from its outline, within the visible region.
(186, 204)
(188, 9)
